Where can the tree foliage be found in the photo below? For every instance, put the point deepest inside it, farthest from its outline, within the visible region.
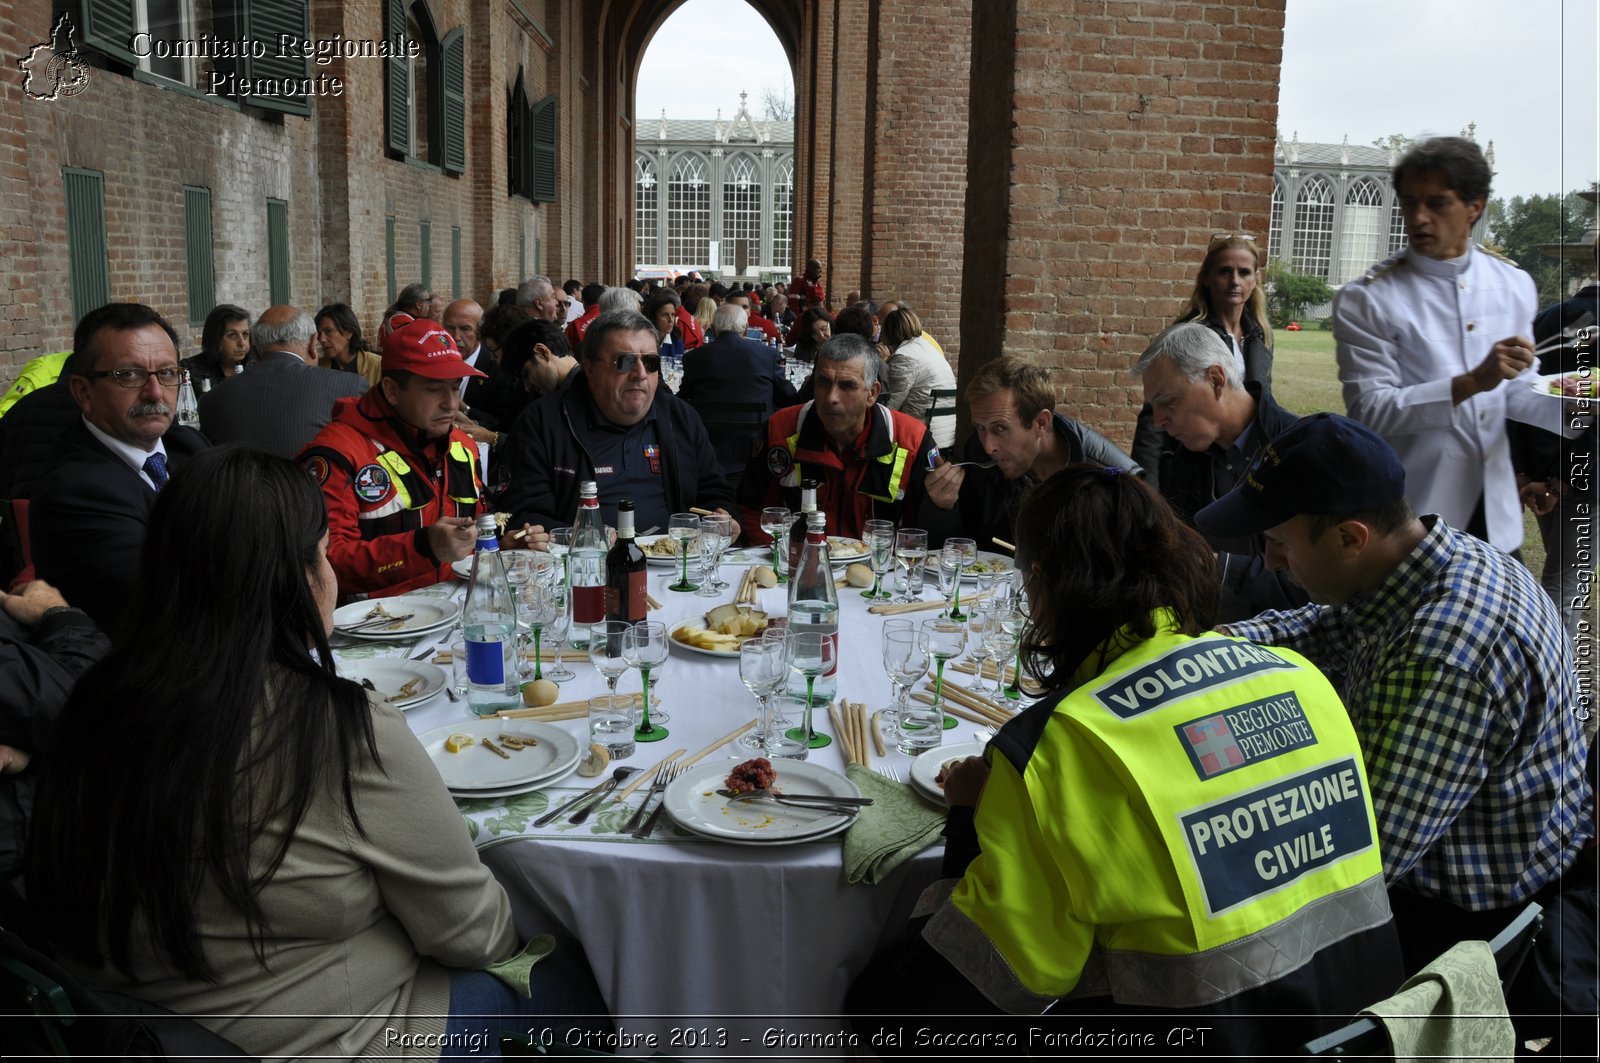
(1290, 293)
(1518, 228)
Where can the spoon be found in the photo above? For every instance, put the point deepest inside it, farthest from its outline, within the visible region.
(599, 791)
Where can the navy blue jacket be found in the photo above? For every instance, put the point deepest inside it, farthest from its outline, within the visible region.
(731, 368)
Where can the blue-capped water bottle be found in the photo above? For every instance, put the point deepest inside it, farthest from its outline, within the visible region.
(489, 620)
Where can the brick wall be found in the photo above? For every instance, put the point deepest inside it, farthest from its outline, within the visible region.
(1135, 130)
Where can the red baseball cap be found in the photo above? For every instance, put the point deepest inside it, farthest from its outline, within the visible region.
(423, 348)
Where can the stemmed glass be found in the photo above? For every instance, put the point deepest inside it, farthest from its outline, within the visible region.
(714, 535)
(775, 522)
(953, 561)
(645, 646)
(605, 650)
(979, 617)
(519, 570)
(762, 669)
(910, 550)
(561, 624)
(726, 527)
(917, 725)
(812, 654)
(879, 537)
(685, 528)
(945, 639)
(537, 610)
(905, 660)
(1000, 639)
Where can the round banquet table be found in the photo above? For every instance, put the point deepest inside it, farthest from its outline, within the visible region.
(709, 948)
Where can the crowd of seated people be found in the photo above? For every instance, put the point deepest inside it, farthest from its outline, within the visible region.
(1431, 662)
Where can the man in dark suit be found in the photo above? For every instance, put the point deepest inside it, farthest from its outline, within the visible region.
(88, 518)
(482, 397)
(285, 398)
(731, 368)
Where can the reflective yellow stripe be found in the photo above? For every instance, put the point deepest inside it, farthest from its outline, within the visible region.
(467, 458)
(792, 477)
(398, 470)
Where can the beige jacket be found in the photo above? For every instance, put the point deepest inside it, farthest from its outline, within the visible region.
(368, 364)
(361, 927)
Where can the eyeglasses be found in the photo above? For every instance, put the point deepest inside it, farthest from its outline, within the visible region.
(168, 377)
(1218, 237)
(624, 363)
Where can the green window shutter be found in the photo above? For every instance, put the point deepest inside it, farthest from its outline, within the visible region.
(277, 251)
(543, 127)
(455, 262)
(453, 50)
(388, 257)
(425, 229)
(87, 265)
(198, 252)
(109, 26)
(396, 97)
(516, 126)
(266, 20)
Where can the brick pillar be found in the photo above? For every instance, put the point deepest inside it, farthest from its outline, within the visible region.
(851, 172)
(814, 141)
(1105, 151)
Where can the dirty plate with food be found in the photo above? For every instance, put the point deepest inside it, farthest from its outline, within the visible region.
(925, 769)
(404, 683)
(392, 619)
(987, 563)
(695, 805)
(489, 762)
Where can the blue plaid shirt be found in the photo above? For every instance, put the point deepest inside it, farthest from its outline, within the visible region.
(1459, 681)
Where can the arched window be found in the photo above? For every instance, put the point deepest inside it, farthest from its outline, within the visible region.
(1275, 221)
(1363, 235)
(688, 213)
(1397, 228)
(645, 211)
(783, 216)
(741, 210)
(1313, 227)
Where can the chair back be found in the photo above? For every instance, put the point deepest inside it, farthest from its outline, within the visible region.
(733, 428)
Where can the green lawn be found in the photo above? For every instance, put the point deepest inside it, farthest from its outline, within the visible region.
(1305, 379)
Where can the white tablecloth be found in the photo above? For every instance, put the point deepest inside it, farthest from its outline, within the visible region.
(682, 928)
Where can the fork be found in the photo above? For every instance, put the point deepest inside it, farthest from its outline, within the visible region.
(661, 806)
(974, 464)
(377, 623)
(663, 776)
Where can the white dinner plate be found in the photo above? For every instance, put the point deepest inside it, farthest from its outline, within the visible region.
(995, 562)
(427, 614)
(925, 769)
(828, 831)
(501, 791)
(694, 804)
(843, 550)
(390, 674)
(672, 636)
(649, 543)
(1542, 385)
(462, 568)
(476, 768)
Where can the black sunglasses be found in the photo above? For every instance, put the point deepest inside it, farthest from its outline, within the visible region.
(624, 363)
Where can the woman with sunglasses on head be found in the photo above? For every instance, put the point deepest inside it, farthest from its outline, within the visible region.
(1229, 298)
(1144, 839)
(230, 830)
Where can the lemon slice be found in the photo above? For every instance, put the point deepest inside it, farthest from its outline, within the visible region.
(457, 742)
(594, 760)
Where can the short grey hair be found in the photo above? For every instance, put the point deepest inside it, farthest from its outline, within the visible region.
(730, 317)
(1192, 348)
(849, 347)
(619, 299)
(594, 337)
(295, 334)
(533, 289)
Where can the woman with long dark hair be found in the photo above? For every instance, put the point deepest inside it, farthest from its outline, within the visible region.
(342, 345)
(224, 346)
(230, 830)
(812, 330)
(1108, 845)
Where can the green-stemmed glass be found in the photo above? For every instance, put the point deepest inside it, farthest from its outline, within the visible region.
(643, 647)
(685, 528)
(775, 522)
(879, 537)
(945, 639)
(812, 655)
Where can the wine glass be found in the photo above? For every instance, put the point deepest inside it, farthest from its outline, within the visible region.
(643, 647)
(775, 522)
(910, 548)
(725, 527)
(1000, 639)
(560, 624)
(946, 639)
(1014, 622)
(879, 537)
(685, 528)
(905, 657)
(953, 561)
(762, 669)
(536, 609)
(605, 650)
(900, 638)
(978, 619)
(711, 543)
(813, 653)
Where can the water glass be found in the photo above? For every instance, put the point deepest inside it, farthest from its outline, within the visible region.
(611, 723)
(685, 529)
(605, 650)
(458, 666)
(775, 521)
(784, 727)
(879, 537)
(910, 552)
(905, 660)
(978, 617)
(644, 646)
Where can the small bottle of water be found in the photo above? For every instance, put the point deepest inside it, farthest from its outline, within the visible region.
(188, 408)
(489, 621)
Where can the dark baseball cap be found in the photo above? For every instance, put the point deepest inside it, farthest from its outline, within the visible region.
(1322, 465)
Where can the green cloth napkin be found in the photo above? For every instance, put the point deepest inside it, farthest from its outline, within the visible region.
(517, 972)
(898, 825)
(1451, 1009)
